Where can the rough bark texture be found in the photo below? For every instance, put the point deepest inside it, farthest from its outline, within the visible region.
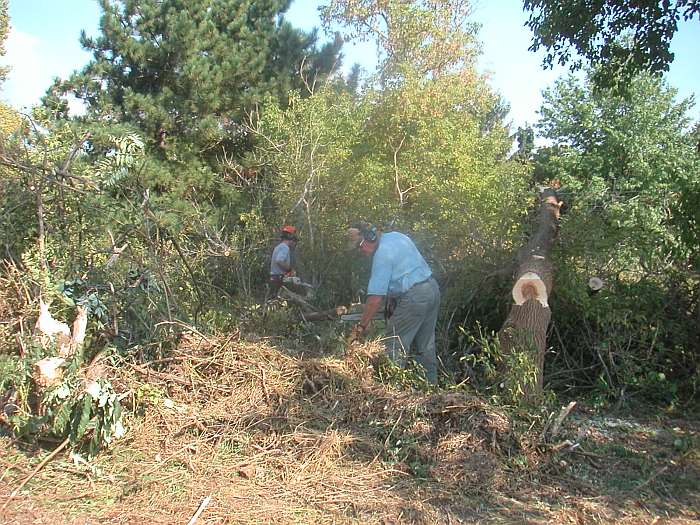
(525, 329)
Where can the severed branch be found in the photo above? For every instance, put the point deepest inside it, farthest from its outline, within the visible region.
(201, 508)
(296, 298)
(326, 315)
(399, 192)
(554, 431)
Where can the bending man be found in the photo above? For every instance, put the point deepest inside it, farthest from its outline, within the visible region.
(401, 275)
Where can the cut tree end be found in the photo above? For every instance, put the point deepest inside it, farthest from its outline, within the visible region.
(595, 284)
(530, 286)
(48, 371)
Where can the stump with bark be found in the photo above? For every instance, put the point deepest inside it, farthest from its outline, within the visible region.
(49, 371)
(523, 336)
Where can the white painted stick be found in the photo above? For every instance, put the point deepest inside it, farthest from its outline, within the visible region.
(201, 508)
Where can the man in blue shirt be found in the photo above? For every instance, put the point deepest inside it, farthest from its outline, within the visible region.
(400, 274)
(281, 262)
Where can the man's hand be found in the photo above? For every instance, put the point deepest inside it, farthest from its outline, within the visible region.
(356, 333)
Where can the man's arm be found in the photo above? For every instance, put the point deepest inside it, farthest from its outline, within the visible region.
(372, 305)
(370, 308)
(285, 264)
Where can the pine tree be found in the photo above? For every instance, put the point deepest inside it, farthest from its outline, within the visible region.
(189, 70)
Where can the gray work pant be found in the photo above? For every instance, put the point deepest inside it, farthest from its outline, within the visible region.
(413, 323)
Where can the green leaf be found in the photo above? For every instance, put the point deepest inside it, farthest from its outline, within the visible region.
(84, 419)
(61, 418)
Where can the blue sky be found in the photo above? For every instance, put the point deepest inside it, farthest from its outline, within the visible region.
(43, 44)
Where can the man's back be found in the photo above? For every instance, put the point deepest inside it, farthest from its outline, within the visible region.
(397, 265)
(280, 261)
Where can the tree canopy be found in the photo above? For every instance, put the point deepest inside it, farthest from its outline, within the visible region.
(574, 29)
(431, 37)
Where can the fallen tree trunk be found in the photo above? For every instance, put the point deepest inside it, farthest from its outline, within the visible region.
(286, 293)
(523, 336)
(325, 315)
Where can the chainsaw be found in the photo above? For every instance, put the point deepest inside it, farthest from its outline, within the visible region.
(296, 281)
(379, 316)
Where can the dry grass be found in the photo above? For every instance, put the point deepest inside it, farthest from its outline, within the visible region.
(273, 437)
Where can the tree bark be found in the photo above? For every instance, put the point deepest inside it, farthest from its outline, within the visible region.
(523, 336)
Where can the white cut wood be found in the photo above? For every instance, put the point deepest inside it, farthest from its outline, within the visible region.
(560, 418)
(201, 508)
(595, 283)
(79, 327)
(48, 371)
(47, 325)
(530, 286)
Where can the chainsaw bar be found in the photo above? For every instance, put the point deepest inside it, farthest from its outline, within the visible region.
(379, 316)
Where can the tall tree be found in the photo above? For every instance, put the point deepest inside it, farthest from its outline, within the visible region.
(433, 123)
(593, 29)
(431, 37)
(192, 69)
(631, 165)
(627, 158)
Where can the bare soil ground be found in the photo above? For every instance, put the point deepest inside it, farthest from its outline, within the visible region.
(275, 438)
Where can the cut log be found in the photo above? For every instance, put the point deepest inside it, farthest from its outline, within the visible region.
(286, 293)
(595, 284)
(525, 329)
(326, 315)
(530, 286)
(48, 371)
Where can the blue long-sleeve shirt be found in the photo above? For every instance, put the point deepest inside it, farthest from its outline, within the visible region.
(397, 265)
(281, 261)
